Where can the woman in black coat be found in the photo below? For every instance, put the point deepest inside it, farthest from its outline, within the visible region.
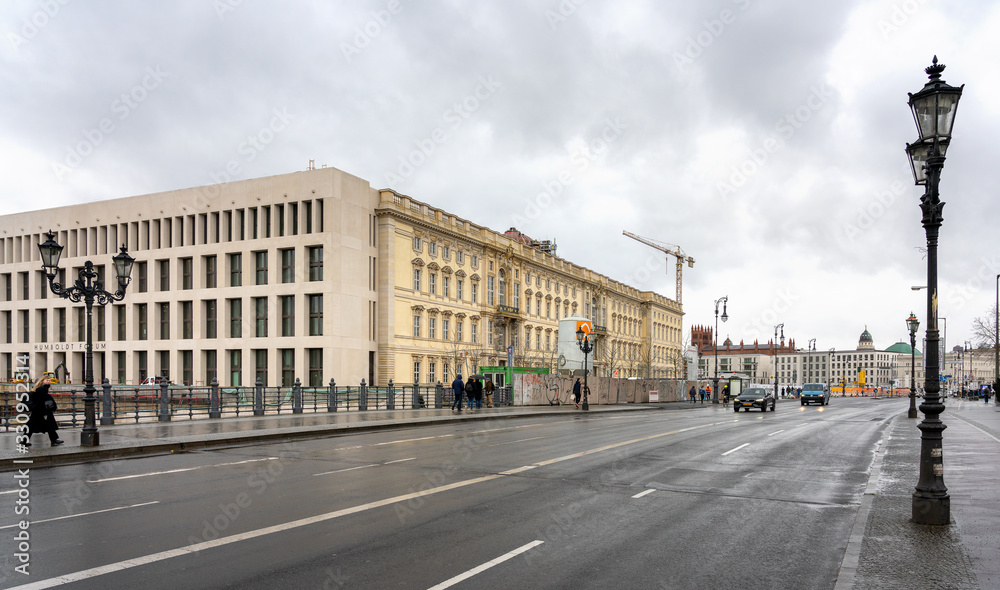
(42, 407)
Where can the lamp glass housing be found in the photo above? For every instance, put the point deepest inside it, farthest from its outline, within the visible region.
(50, 251)
(912, 323)
(123, 266)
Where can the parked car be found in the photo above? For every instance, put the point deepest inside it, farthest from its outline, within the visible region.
(755, 397)
(815, 393)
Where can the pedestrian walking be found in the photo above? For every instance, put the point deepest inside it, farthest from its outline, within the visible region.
(701, 394)
(691, 394)
(488, 388)
(459, 388)
(470, 391)
(479, 393)
(42, 407)
(576, 393)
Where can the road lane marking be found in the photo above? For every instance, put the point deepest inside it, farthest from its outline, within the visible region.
(518, 470)
(405, 440)
(515, 441)
(777, 432)
(482, 568)
(621, 444)
(736, 449)
(641, 494)
(400, 460)
(34, 522)
(179, 470)
(195, 548)
(348, 469)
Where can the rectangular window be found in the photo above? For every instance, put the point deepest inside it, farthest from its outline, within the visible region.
(431, 372)
(120, 332)
(432, 248)
(187, 267)
(235, 270)
(26, 326)
(260, 368)
(475, 336)
(315, 315)
(43, 324)
(475, 292)
(417, 244)
(287, 315)
(416, 279)
(459, 284)
(260, 264)
(432, 283)
(164, 275)
(260, 316)
(210, 272)
(490, 290)
(235, 367)
(211, 366)
(235, 318)
(445, 286)
(416, 326)
(61, 325)
(460, 257)
(164, 321)
(445, 326)
(416, 371)
(187, 367)
(432, 327)
(446, 252)
(140, 320)
(211, 315)
(458, 331)
(187, 320)
(315, 367)
(287, 367)
(475, 261)
(316, 263)
(288, 265)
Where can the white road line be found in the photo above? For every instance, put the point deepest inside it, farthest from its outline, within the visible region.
(179, 470)
(476, 570)
(343, 470)
(34, 522)
(616, 445)
(515, 441)
(736, 449)
(777, 432)
(405, 440)
(641, 494)
(400, 460)
(518, 470)
(195, 548)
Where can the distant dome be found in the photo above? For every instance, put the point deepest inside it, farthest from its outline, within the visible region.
(866, 342)
(902, 348)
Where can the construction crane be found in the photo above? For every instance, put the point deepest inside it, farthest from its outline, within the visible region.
(669, 249)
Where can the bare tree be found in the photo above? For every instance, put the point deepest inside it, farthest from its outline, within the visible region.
(984, 330)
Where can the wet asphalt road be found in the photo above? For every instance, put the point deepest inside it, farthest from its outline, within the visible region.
(695, 498)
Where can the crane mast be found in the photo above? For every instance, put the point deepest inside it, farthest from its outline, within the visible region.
(668, 249)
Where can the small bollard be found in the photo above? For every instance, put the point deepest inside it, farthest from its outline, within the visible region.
(363, 396)
(390, 397)
(297, 397)
(107, 415)
(438, 395)
(331, 397)
(164, 415)
(214, 410)
(258, 398)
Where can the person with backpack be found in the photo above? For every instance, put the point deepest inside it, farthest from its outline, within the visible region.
(489, 389)
(470, 391)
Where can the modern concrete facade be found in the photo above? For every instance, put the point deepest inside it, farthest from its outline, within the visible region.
(311, 275)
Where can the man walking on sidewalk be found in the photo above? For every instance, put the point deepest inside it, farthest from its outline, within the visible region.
(459, 387)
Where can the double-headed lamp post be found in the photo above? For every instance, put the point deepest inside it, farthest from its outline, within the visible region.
(90, 289)
(715, 381)
(934, 108)
(912, 323)
(583, 341)
(775, 356)
(996, 346)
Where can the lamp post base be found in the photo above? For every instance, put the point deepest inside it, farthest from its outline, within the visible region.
(931, 510)
(90, 438)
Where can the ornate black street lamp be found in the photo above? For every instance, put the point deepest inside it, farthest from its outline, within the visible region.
(583, 341)
(775, 357)
(912, 323)
(996, 346)
(934, 109)
(715, 381)
(90, 289)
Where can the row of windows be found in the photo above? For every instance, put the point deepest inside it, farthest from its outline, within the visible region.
(258, 320)
(266, 221)
(312, 271)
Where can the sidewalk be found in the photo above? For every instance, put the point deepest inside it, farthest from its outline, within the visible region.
(123, 440)
(886, 550)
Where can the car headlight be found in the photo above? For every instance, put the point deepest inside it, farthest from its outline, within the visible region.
(760, 399)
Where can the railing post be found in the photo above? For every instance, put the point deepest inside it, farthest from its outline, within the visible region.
(390, 397)
(164, 415)
(297, 397)
(331, 397)
(438, 395)
(258, 398)
(214, 410)
(363, 396)
(107, 415)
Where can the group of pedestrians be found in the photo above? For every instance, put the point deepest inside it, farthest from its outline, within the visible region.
(473, 391)
(702, 393)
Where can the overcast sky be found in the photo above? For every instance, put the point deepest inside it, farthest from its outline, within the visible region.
(764, 137)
